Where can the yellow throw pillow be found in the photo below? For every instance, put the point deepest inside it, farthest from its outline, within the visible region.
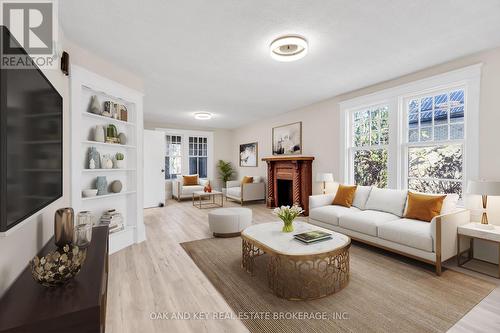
(247, 180)
(190, 180)
(345, 195)
(424, 207)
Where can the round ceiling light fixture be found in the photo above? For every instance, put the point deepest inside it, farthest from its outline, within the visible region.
(288, 48)
(202, 115)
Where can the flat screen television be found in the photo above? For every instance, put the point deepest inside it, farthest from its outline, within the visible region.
(31, 138)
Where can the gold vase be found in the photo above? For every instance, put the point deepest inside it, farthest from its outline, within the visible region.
(64, 226)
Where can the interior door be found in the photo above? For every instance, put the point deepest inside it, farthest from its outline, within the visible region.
(154, 165)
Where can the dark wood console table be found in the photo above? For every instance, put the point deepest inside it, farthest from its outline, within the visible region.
(79, 306)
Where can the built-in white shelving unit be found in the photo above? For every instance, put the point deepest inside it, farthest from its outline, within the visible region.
(84, 85)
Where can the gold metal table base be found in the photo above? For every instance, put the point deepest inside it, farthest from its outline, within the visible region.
(304, 277)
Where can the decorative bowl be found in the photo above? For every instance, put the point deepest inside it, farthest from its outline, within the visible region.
(89, 193)
(59, 266)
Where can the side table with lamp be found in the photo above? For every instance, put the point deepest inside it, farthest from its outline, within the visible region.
(484, 230)
(324, 178)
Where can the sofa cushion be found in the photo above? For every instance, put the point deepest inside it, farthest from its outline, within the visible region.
(387, 200)
(330, 214)
(413, 233)
(449, 203)
(360, 197)
(190, 180)
(234, 191)
(423, 207)
(247, 180)
(191, 189)
(344, 195)
(257, 179)
(366, 221)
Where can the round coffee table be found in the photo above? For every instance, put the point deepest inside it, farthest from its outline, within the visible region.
(298, 271)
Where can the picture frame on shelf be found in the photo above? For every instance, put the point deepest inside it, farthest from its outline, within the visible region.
(287, 139)
(249, 154)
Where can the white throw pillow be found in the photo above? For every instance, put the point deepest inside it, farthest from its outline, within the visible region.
(449, 203)
(257, 179)
(360, 197)
(387, 200)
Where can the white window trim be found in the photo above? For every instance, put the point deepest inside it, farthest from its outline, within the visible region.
(185, 134)
(469, 77)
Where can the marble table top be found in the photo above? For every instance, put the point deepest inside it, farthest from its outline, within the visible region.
(270, 235)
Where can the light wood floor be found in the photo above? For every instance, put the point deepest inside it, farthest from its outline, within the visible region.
(157, 276)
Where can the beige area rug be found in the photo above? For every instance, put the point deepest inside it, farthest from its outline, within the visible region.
(386, 293)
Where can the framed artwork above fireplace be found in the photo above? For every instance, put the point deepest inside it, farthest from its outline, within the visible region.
(287, 139)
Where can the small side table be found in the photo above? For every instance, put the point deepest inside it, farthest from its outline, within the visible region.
(472, 231)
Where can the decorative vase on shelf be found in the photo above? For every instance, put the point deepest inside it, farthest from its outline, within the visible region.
(99, 133)
(107, 162)
(95, 106)
(123, 138)
(116, 186)
(288, 214)
(94, 157)
(102, 185)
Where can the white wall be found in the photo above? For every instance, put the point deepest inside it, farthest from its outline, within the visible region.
(320, 124)
(21, 244)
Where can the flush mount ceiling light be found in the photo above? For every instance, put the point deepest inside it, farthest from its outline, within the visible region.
(288, 48)
(202, 115)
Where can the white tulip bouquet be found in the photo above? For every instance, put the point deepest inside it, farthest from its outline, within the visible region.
(287, 214)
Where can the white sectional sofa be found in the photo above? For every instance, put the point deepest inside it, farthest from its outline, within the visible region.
(377, 218)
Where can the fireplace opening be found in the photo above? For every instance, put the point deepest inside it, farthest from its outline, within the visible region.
(285, 192)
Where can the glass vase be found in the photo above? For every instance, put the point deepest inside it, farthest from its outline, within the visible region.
(287, 225)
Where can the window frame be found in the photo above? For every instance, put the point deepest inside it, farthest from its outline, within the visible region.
(191, 154)
(467, 77)
(406, 144)
(352, 148)
(168, 153)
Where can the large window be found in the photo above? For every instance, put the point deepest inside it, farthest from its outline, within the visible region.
(370, 139)
(173, 156)
(198, 155)
(422, 136)
(435, 141)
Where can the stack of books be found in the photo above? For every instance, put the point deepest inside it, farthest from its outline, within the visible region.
(313, 236)
(113, 219)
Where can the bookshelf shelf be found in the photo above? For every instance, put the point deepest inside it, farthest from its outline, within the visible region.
(84, 85)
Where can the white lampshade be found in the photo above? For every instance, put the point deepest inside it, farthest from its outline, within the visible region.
(324, 177)
(483, 187)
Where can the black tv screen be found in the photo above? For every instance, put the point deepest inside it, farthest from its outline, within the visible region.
(31, 138)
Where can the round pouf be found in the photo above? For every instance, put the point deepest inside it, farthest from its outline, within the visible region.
(229, 222)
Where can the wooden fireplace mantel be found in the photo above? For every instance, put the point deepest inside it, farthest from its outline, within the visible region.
(298, 170)
(288, 158)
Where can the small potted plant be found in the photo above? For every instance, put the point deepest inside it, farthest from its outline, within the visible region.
(287, 214)
(119, 161)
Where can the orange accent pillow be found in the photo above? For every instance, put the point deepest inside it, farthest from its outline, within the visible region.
(247, 180)
(424, 207)
(190, 180)
(345, 195)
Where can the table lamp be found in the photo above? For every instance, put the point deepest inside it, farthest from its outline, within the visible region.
(324, 178)
(485, 189)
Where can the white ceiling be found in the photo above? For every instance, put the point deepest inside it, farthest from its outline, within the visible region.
(213, 55)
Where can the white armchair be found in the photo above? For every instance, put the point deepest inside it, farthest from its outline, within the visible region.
(246, 192)
(181, 191)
